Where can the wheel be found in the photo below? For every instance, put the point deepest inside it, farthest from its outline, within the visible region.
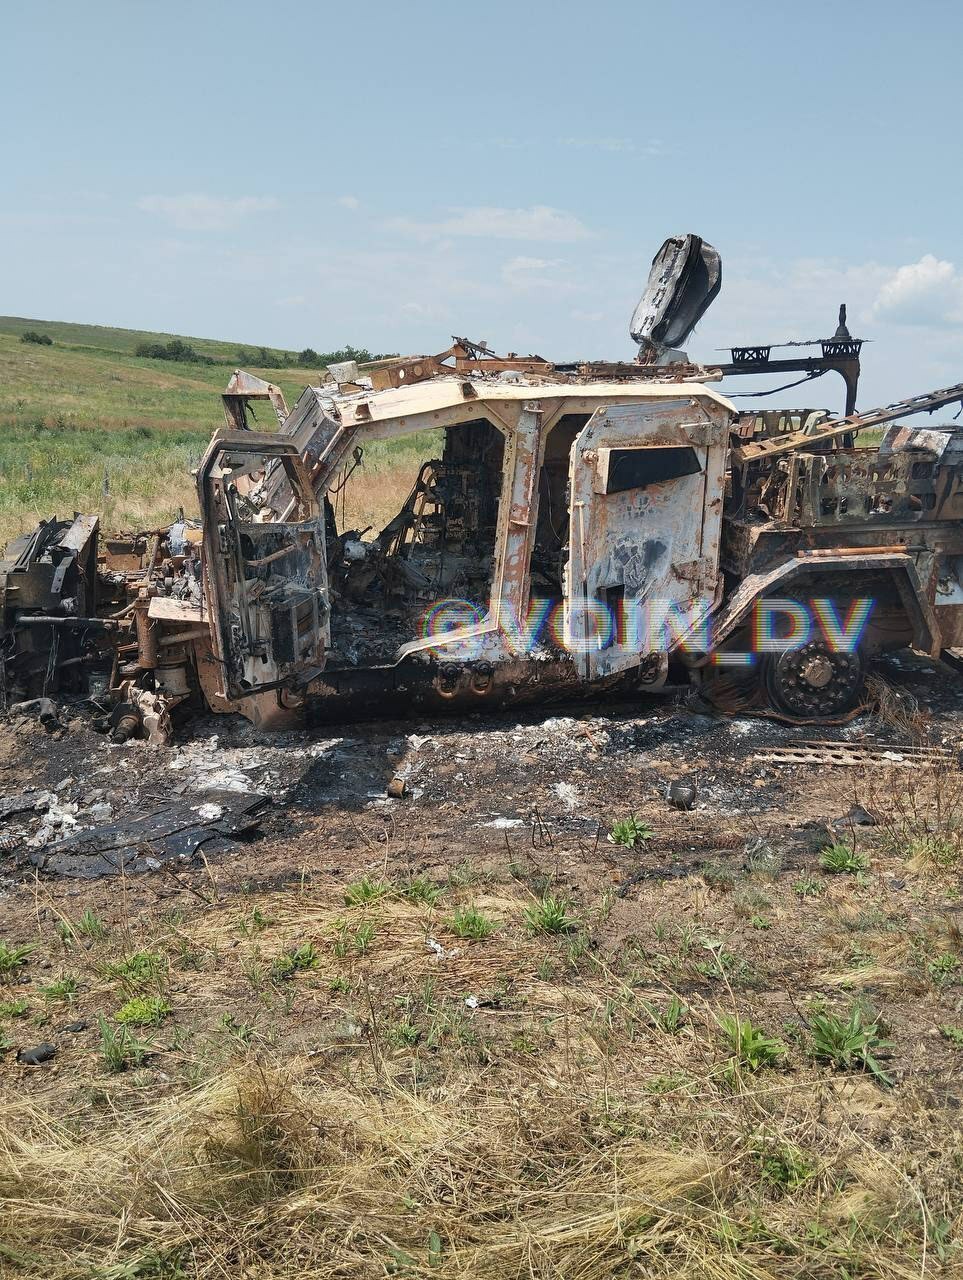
(815, 681)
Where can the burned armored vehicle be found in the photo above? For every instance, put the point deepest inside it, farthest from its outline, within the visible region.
(571, 529)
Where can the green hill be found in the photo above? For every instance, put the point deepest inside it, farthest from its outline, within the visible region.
(85, 424)
(96, 337)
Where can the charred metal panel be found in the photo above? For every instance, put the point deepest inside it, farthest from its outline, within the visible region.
(655, 545)
(265, 579)
(861, 486)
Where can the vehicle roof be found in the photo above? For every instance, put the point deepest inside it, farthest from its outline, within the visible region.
(439, 393)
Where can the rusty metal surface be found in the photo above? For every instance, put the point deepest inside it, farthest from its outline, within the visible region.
(853, 755)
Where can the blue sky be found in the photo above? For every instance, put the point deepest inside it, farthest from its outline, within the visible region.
(387, 175)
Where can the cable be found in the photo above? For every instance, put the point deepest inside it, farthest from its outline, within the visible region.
(751, 395)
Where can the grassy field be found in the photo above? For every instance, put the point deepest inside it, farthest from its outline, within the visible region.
(85, 425)
(285, 1080)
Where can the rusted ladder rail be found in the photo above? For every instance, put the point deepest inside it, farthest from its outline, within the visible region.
(792, 440)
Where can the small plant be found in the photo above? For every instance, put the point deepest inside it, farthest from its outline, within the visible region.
(630, 832)
(672, 1018)
(932, 851)
(953, 1034)
(469, 922)
(348, 939)
(809, 887)
(785, 1166)
(843, 859)
(14, 958)
(578, 948)
(91, 926)
(363, 937)
(546, 969)
(143, 1011)
(254, 922)
(849, 1044)
(760, 922)
(676, 1080)
(420, 889)
(64, 988)
(944, 968)
(366, 890)
(403, 1035)
(14, 1008)
(718, 876)
(119, 1047)
(138, 970)
(752, 1049)
(550, 915)
(66, 933)
(241, 1032)
(288, 963)
(254, 973)
(721, 963)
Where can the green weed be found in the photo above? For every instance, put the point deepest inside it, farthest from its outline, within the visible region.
(420, 889)
(119, 1047)
(671, 1018)
(809, 887)
(366, 890)
(550, 915)
(64, 988)
(943, 968)
(143, 1011)
(752, 1049)
(138, 970)
(253, 923)
(91, 926)
(14, 958)
(469, 922)
(630, 832)
(843, 859)
(288, 963)
(849, 1044)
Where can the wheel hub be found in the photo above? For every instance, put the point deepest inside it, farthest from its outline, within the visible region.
(816, 672)
(814, 681)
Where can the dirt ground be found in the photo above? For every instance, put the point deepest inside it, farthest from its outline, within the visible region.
(483, 1029)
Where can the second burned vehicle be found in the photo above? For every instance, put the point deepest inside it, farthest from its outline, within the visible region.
(571, 528)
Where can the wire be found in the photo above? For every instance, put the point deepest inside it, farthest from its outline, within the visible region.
(751, 395)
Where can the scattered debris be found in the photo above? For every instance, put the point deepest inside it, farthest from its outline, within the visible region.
(43, 708)
(38, 1054)
(568, 794)
(851, 755)
(146, 842)
(682, 795)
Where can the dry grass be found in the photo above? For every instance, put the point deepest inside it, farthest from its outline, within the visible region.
(922, 817)
(360, 1120)
(303, 1171)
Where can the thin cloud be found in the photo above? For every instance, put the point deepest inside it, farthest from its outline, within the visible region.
(538, 223)
(525, 274)
(349, 202)
(194, 211)
(928, 292)
(651, 148)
